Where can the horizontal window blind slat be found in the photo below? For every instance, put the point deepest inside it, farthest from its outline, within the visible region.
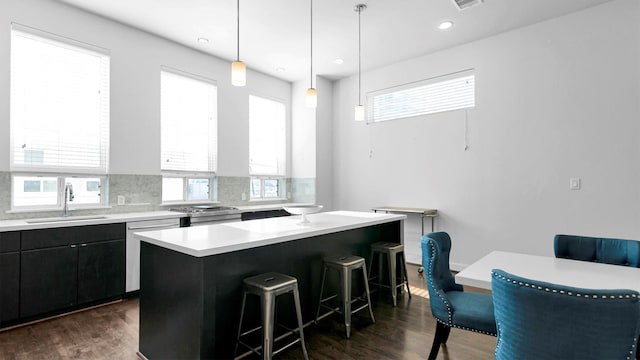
(59, 105)
(188, 123)
(422, 98)
(267, 142)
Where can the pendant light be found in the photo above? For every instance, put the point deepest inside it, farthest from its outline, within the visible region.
(312, 94)
(238, 68)
(359, 111)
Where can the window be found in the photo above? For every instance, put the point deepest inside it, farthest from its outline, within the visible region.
(267, 148)
(444, 93)
(46, 192)
(189, 124)
(59, 119)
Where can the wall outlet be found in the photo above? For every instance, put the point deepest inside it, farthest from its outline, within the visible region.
(574, 184)
(244, 196)
(120, 200)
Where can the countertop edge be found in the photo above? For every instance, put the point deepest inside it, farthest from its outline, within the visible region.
(384, 218)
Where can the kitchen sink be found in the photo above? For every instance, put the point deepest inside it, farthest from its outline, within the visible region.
(64, 219)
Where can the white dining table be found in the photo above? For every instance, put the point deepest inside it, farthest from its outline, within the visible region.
(576, 273)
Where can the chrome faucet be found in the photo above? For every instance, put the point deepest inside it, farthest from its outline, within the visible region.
(68, 196)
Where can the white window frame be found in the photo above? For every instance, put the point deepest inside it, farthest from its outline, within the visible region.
(449, 92)
(93, 167)
(190, 174)
(282, 186)
(213, 187)
(279, 173)
(61, 183)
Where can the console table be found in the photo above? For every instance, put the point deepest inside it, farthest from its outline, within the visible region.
(423, 213)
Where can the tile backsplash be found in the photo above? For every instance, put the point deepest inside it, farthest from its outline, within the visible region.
(143, 193)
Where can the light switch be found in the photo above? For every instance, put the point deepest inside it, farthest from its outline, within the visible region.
(120, 200)
(574, 183)
(244, 196)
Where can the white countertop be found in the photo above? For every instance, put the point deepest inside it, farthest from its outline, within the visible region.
(79, 220)
(582, 274)
(208, 240)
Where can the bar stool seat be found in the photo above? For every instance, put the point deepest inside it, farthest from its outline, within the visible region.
(345, 265)
(392, 251)
(268, 286)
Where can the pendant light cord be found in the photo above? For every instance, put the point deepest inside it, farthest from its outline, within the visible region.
(238, 31)
(359, 58)
(311, 50)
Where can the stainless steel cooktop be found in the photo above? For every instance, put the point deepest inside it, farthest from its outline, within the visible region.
(206, 210)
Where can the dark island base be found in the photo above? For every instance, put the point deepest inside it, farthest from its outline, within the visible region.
(190, 306)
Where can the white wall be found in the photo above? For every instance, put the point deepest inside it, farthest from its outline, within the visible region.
(303, 132)
(555, 100)
(136, 58)
(324, 144)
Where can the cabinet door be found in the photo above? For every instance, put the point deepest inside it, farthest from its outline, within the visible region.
(101, 270)
(9, 286)
(49, 280)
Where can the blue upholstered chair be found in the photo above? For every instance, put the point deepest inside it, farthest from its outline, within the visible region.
(602, 250)
(543, 321)
(451, 306)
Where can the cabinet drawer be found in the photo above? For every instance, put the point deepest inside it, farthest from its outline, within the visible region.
(9, 241)
(102, 232)
(63, 236)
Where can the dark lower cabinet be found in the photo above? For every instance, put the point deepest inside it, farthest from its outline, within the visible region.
(49, 280)
(9, 276)
(101, 270)
(9, 286)
(66, 268)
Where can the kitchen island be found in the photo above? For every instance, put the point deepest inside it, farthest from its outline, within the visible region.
(191, 278)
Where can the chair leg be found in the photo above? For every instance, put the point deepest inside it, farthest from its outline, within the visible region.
(346, 299)
(366, 289)
(441, 336)
(268, 307)
(392, 277)
(405, 277)
(296, 300)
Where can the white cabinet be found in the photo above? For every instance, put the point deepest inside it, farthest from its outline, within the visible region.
(133, 247)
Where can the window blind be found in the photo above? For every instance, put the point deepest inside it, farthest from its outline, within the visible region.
(189, 118)
(267, 136)
(59, 104)
(451, 92)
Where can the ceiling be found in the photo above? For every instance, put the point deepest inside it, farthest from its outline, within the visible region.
(275, 33)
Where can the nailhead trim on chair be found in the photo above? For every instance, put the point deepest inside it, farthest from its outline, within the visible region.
(449, 323)
(568, 293)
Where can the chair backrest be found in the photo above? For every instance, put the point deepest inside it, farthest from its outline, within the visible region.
(436, 247)
(602, 250)
(538, 320)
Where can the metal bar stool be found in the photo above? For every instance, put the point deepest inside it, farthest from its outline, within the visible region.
(391, 250)
(268, 286)
(345, 265)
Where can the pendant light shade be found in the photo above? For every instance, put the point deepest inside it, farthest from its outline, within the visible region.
(312, 97)
(238, 68)
(312, 94)
(359, 113)
(238, 73)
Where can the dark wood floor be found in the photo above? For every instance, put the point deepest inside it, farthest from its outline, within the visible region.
(111, 332)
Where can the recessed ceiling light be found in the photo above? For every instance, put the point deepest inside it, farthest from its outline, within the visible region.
(280, 69)
(203, 40)
(445, 25)
(339, 61)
